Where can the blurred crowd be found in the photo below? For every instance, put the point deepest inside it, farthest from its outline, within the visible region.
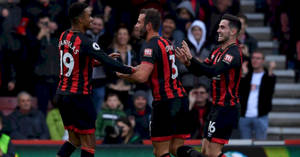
(30, 30)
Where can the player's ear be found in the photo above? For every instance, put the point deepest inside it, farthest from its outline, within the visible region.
(233, 31)
(148, 26)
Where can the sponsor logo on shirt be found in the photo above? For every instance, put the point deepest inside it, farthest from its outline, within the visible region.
(148, 52)
(228, 58)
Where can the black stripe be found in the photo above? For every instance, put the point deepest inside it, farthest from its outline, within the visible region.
(62, 48)
(81, 66)
(69, 82)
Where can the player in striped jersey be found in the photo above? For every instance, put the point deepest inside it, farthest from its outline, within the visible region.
(224, 67)
(73, 97)
(168, 127)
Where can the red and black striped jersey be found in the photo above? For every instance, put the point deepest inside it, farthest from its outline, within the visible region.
(224, 66)
(76, 53)
(164, 77)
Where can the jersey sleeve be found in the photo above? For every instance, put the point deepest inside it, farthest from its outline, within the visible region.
(93, 49)
(230, 59)
(148, 54)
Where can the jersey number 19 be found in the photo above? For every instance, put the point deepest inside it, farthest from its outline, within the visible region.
(66, 60)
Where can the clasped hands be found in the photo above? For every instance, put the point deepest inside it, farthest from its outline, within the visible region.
(183, 54)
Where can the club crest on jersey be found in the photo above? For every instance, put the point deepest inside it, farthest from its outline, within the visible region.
(228, 58)
(96, 46)
(148, 52)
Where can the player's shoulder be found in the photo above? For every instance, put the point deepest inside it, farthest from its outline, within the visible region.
(234, 49)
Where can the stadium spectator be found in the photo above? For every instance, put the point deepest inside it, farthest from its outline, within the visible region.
(247, 42)
(99, 75)
(122, 133)
(121, 45)
(196, 41)
(55, 124)
(141, 114)
(27, 122)
(185, 16)
(6, 147)
(111, 111)
(46, 67)
(168, 27)
(199, 106)
(10, 16)
(256, 92)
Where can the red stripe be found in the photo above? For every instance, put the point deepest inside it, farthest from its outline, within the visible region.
(90, 150)
(80, 131)
(219, 140)
(182, 136)
(86, 76)
(155, 83)
(231, 85)
(179, 91)
(75, 72)
(160, 139)
(66, 49)
(166, 71)
(222, 90)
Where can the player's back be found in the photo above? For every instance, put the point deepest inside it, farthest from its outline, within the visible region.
(75, 65)
(164, 77)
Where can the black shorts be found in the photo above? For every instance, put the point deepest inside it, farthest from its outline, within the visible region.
(220, 123)
(169, 119)
(77, 112)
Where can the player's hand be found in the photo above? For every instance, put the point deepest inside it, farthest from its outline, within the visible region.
(181, 56)
(114, 55)
(187, 51)
(121, 75)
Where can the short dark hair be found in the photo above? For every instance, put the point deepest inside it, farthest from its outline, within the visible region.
(243, 16)
(152, 16)
(234, 22)
(76, 10)
(201, 85)
(259, 53)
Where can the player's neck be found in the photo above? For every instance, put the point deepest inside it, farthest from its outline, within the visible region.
(78, 28)
(227, 43)
(151, 34)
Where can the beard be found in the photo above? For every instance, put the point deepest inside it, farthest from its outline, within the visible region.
(143, 33)
(224, 40)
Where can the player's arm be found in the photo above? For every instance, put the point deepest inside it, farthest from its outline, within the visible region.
(141, 74)
(228, 60)
(96, 52)
(144, 70)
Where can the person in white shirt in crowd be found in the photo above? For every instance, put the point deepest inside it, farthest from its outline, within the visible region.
(256, 92)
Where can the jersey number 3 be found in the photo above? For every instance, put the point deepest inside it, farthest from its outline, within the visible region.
(174, 67)
(66, 60)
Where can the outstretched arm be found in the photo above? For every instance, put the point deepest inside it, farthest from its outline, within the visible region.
(95, 52)
(141, 74)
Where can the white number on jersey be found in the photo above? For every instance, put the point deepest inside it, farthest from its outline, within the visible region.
(174, 67)
(66, 60)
